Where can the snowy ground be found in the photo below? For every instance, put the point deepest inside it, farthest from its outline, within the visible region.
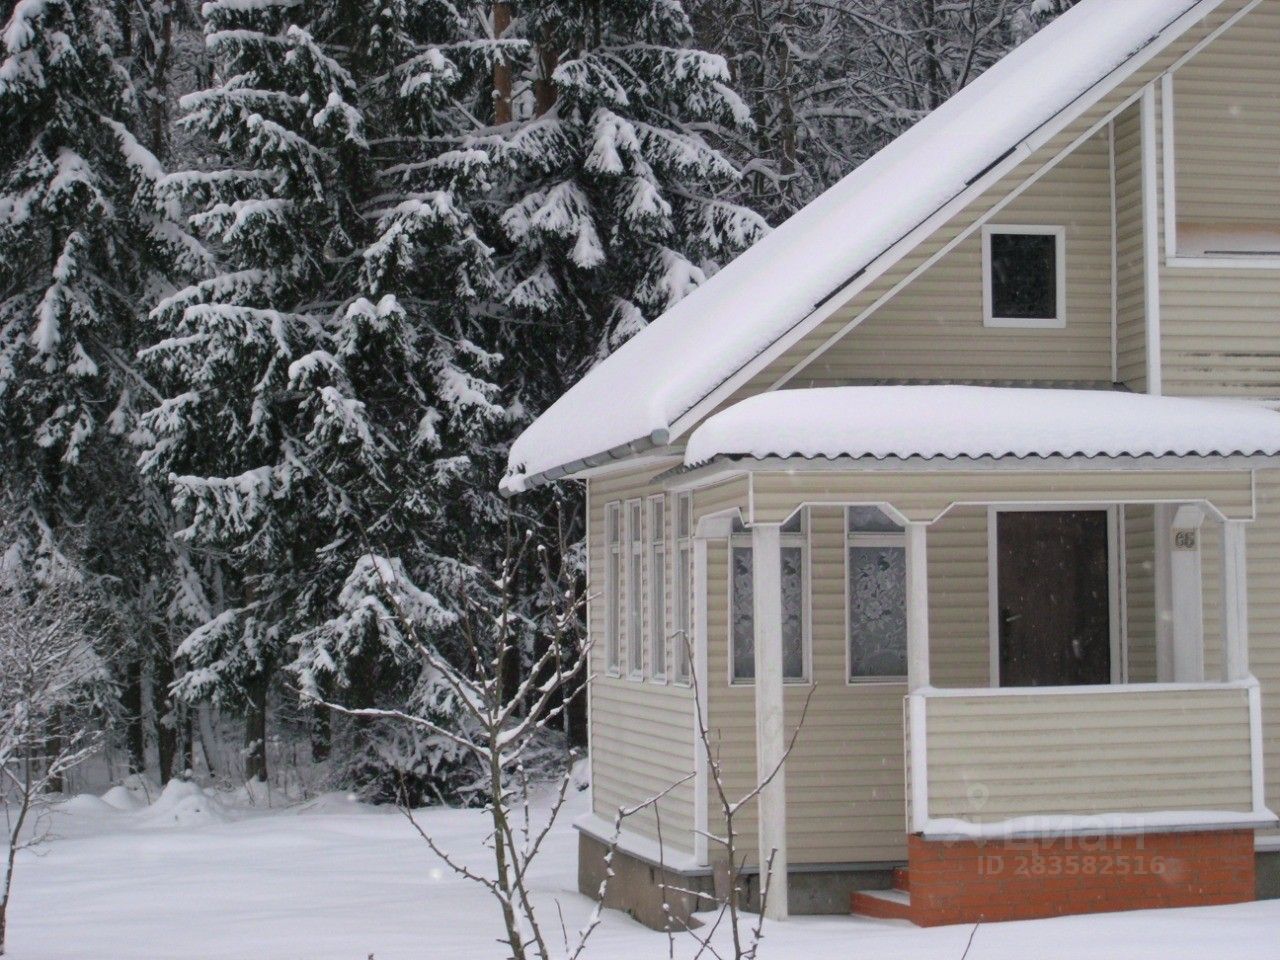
(191, 877)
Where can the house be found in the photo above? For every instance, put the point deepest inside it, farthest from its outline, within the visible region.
(978, 455)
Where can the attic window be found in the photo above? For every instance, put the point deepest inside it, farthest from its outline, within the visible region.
(1024, 277)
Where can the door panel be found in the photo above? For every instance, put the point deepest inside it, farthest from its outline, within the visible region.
(1054, 603)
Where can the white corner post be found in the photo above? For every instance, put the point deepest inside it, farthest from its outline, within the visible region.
(1162, 554)
(1186, 599)
(917, 607)
(917, 675)
(771, 734)
(1151, 238)
(698, 658)
(1235, 602)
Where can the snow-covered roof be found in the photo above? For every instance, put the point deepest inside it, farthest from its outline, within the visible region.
(952, 422)
(633, 398)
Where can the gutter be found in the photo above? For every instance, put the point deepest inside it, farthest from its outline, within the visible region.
(520, 483)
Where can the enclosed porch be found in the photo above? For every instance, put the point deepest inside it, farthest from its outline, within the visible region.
(1062, 626)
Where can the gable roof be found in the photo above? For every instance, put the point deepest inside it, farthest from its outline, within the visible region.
(630, 401)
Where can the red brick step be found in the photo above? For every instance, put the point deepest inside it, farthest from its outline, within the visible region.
(881, 904)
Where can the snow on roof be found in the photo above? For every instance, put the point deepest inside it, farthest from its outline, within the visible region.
(664, 371)
(952, 422)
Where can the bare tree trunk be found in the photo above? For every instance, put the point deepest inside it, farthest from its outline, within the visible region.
(11, 859)
(321, 733)
(255, 729)
(208, 740)
(544, 88)
(131, 701)
(502, 81)
(165, 712)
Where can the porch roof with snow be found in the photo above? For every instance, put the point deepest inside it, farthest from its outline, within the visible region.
(642, 396)
(975, 423)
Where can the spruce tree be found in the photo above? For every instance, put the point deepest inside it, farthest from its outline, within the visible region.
(325, 389)
(86, 241)
(618, 207)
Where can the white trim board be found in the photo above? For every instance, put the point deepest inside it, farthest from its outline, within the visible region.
(637, 846)
(1059, 320)
(1109, 824)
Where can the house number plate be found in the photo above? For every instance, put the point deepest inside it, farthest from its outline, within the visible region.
(1184, 539)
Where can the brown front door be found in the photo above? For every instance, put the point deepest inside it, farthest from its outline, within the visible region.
(1053, 595)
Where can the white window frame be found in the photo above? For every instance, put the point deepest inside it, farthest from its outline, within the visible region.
(794, 539)
(856, 539)
(684, 602)
(1059, 234)
(613, 588)
(1115, 581)
(656, 559)
(633, 565)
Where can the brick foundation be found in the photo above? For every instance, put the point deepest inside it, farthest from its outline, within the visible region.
(965, 882)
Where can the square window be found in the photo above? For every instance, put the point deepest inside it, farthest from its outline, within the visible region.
(1024, 283)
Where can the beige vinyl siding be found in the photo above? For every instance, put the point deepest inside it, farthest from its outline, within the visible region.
(1220, 327)
(722, 497)
(934, 328)
(642, 733)
(1221, 332)
(959, 635)
(998, 757)
(926, 496)
(845, 788)
(1227, 125)
(1131, 303)
(1140, 592)
(883, 286)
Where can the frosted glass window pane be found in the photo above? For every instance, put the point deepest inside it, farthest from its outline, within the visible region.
(743, 626)
(877, 612)
(684, 610)
(870, 520)
(793, 613)
(744, 640)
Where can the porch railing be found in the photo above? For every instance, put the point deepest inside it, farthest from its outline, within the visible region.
(1060, 760)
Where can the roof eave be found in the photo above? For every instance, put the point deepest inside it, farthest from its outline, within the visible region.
(521, 483)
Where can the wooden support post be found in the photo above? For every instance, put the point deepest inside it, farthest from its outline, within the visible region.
(1186, 596)
(771, 735)
(1235, 602)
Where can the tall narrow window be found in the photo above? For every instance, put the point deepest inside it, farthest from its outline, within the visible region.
(635, 589)
(684, 599)
(742, 602)
(657, 525)
(877, 595)
(1024, 283)
(612, 586)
